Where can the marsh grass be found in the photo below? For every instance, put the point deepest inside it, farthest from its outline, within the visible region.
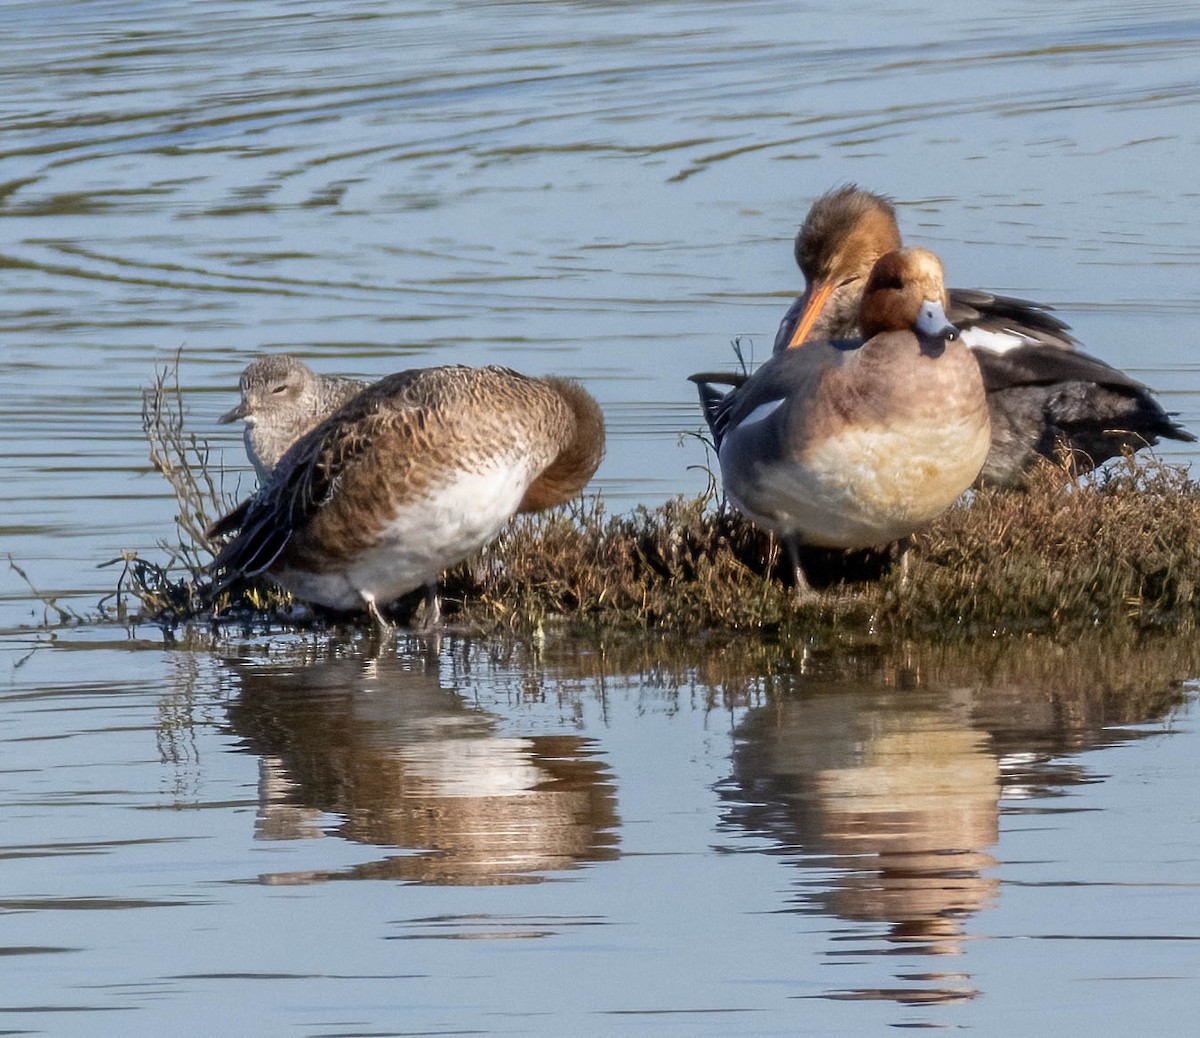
(1118, 549)
(688, 564)
(168, 590)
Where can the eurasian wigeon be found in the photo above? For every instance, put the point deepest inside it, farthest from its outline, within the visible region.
(1045, 396)
(858, 443)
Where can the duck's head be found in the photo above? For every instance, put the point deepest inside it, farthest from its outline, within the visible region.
(906, 291)
(271, 387)
(845, 232)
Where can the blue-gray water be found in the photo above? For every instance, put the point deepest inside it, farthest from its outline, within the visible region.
(607, 838)
(776, 845)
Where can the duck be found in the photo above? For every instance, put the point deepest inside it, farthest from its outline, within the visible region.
(413, 474)
(1048, 398)
(280, 399)
(857, 443)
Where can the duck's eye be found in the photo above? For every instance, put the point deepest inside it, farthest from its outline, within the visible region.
(280, 389)
(850, 280)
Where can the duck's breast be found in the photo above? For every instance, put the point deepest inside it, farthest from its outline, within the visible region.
(879, 446)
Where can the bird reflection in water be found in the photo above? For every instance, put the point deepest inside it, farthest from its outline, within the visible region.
(382, 753)
(886, 781)
(897, 799)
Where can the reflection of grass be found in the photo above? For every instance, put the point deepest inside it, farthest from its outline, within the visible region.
(1069, 689)
(1120, 549)
(1067, 686)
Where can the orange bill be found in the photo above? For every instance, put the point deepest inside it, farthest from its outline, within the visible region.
(812, 311)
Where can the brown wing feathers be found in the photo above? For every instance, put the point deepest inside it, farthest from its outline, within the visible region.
(427, 424)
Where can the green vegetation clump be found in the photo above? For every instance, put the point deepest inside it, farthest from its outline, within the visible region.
(1119, 549)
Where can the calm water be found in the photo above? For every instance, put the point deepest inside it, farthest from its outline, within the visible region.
(601, 838)
(719, 839)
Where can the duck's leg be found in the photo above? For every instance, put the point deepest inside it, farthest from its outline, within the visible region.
(433, 607)
(804, 590)
(902, 550)
(380, 625)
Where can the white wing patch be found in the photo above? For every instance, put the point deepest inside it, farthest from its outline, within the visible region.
(998, 342)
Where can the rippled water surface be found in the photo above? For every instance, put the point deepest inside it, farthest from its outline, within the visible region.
(597, 838)
(590, 839)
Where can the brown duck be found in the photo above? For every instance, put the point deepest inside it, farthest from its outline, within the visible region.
(858, 443)
(410, 476)
(1045, 396)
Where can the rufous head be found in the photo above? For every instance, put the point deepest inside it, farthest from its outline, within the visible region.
(906, 291)
(845, 232)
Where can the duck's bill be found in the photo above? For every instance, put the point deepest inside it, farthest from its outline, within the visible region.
(818, 296)
(933, 322)
(234, 415)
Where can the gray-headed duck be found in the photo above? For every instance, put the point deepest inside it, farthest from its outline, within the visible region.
(281, 399)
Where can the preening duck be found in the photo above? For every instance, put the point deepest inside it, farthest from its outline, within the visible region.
(1045, 395)
(408, 477)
